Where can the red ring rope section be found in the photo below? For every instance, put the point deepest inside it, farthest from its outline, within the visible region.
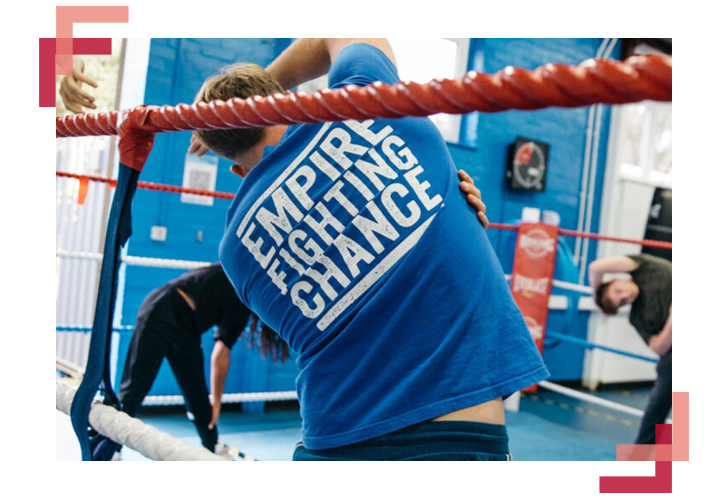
(595, 81)
(227, 195)
(151, 186)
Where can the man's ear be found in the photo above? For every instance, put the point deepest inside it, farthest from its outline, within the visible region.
(238, 170)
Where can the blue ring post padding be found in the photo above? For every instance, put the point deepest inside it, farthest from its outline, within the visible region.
(97, 373)
(572, 339)
(564, 262)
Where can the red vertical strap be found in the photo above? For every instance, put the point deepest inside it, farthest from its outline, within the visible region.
(82, 189)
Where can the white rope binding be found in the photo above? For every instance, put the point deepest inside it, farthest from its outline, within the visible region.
(131, 432)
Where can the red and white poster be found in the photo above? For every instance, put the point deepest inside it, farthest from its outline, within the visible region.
(534, 267)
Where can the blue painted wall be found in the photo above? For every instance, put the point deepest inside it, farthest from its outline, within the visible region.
(177, 68)
(483, 151)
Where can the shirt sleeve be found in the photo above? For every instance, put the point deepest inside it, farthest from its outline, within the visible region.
(646, 333)
(648, 264)
(361, 64)
(227, 336)
(648, 317)
(234, 314)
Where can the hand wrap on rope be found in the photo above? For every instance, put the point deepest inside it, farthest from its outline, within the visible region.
(136, 137)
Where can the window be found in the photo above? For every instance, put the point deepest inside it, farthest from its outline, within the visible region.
(422, 60)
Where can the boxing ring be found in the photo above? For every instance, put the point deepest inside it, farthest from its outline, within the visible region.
(594, 81)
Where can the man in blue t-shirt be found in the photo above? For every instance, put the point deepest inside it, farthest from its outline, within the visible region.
(353, 242)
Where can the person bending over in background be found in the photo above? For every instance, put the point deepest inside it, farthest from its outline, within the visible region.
(648, 292)
(169, 325)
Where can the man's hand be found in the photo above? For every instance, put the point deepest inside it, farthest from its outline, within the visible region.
(197, 147)
(662, 342)
(473, 197)
(216, 409)
(74, 98)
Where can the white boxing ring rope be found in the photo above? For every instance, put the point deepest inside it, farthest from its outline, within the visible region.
(593, 399)
(227, 398)
(133, 433)
(136, 260)
(572, 286)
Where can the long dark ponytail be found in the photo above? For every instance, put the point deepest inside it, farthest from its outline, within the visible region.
(267, 341)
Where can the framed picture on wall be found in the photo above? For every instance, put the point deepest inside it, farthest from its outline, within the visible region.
(527, 165)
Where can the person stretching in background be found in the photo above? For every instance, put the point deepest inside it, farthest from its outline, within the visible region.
(648, 292)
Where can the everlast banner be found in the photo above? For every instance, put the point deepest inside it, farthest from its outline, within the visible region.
(532, 273)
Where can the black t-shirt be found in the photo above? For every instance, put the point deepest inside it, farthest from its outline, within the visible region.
(649, 312)
(216, 302)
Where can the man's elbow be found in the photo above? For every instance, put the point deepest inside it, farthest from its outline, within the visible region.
(658, 346)
(220, 351)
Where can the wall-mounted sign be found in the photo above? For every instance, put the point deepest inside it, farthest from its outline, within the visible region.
(199, 173)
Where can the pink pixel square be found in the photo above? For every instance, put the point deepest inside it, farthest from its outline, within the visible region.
(63, 64)
(63, 46)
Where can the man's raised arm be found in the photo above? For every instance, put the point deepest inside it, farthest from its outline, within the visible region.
(308, 58)
(611, 265)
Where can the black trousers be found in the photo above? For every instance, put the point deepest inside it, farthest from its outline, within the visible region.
(660, 402)
(165, 329)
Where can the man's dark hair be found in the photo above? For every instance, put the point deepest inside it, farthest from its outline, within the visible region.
(243, 81)
(602, 300)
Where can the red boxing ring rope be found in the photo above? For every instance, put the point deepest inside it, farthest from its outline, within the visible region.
(151, 186)
(228, 195)
(595, 81)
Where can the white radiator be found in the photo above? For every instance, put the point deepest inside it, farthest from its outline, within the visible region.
(79, 228)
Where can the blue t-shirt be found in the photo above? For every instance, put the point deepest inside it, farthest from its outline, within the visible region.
(353, 242)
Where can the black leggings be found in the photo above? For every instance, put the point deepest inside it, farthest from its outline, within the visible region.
(164, 329)
(659, 405)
